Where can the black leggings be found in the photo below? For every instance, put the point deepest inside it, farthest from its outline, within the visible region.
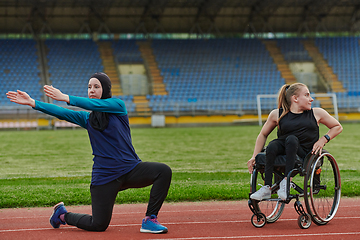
(289, 147)
(103, 196)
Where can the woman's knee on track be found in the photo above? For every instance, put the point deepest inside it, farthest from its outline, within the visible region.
(101, 226)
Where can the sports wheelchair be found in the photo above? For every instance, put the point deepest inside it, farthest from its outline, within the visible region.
(321, 190)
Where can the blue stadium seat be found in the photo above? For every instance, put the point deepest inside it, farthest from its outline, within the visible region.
(343, 55)
(71, 63)
(222, 69)
(19, 69)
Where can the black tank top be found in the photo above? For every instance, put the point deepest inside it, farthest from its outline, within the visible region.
(303, 125)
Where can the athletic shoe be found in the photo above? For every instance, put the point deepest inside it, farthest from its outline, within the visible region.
(282, 190)
(263, 193)
(151, 225)
(55, 220)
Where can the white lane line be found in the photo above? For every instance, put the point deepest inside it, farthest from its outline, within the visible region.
(164, 223)
(162, 211)
(132, 224)
(29, 229)
(302, 235)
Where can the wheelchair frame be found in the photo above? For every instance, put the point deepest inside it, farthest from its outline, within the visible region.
(321, 192)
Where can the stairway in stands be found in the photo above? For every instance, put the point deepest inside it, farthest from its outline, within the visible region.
(323, 67)
(107, 57)
(326, 72)
(279, 60)
(157, 83)
(142, 106)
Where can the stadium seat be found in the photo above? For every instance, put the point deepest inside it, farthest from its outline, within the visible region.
(223, 69)
(19, 69)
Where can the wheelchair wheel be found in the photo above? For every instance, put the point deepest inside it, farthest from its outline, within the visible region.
(258, 221)
(271, 208)
(322, 188)
(304, 221)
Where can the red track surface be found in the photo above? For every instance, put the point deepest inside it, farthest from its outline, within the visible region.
(202, 220)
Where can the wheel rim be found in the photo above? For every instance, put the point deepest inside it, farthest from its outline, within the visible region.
(324, 188)
(258, 220)
(271, 209)
(304, 221)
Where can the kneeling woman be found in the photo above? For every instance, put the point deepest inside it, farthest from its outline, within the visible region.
(298, 133)
(116, 165)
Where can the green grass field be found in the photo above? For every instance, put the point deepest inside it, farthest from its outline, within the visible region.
(41, 168)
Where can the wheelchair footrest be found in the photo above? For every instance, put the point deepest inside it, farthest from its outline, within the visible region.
(252, 206)
(299, 208)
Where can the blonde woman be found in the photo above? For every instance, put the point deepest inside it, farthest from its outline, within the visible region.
(298, 134)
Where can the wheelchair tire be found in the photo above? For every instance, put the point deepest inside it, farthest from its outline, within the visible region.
(322, 188)
(258, 220)
(304, 221)
(271, 208)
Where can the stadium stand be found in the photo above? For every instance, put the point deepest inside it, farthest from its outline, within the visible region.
(156, 79)
(343, 55)
(281, 64)
(126, 51)
(71, 63)
(19, 69)
(192, 67)
(213, 73)
(293, 50)
(110, 66)
(202, 75)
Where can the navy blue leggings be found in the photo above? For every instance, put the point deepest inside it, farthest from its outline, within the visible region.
(103, 196)
(289, 147)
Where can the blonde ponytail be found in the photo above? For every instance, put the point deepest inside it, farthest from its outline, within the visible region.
(284, 97)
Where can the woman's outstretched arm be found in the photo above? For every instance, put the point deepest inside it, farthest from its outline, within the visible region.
(77, 117)
(20, 97)
(56, 94)
(110, 105)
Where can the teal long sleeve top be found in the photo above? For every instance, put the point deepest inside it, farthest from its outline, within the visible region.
(114, 154)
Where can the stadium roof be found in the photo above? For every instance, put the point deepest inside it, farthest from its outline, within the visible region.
(179, 16)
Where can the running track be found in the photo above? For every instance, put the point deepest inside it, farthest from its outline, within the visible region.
(185, 221)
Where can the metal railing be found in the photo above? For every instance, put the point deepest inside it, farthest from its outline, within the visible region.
(20, 114)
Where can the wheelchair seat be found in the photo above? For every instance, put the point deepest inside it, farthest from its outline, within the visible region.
(280, 161)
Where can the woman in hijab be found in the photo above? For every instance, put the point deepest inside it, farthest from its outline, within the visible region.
(116, 165)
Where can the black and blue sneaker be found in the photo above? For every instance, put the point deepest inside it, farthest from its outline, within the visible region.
(151, 225)
(55, 220)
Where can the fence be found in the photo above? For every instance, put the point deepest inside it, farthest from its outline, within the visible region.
(23, 117)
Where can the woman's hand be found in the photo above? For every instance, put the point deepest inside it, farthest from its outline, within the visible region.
(251, 164)
(55, 94)
(319, 145)
(20, 97)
